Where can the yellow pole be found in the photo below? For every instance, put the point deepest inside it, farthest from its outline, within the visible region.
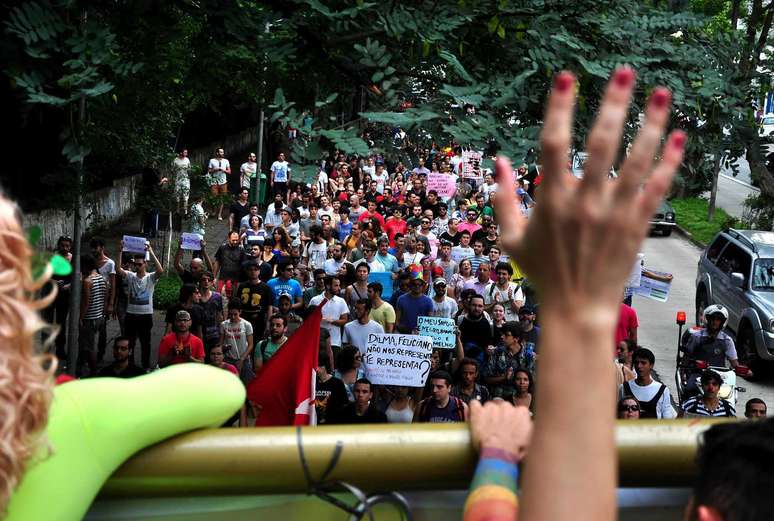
(374, 457)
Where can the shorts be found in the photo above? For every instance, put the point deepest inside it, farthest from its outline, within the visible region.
(87, 332)
(229, 287)
(218, 179)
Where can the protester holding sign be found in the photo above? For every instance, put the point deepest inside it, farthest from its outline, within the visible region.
(357, 332)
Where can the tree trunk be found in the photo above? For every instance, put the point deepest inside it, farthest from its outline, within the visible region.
(735, 14)
(714, 190)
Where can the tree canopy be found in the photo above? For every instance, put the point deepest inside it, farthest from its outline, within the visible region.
(473, 72)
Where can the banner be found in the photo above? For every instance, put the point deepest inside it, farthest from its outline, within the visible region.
(134, 244)
(440, 329)
(191, 241)
(442, 183)
(392, 359)
(385, 279)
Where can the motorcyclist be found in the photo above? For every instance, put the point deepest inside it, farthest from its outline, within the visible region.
(711, 345)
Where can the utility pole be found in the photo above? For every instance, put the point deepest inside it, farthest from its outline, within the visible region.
(259, 158)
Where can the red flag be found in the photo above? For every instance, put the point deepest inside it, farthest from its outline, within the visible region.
(284, 388)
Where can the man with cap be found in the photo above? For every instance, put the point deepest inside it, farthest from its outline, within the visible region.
(413, 304)
(443, 305)
(255, 297)
(527, 320)
(180, 346)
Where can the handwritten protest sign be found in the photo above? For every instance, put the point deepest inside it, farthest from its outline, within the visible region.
(191, 241)
(442, 183)
(385, 279)
(441, 330)
(134, 244)
(392, 359)
(653, 286)
(471, 161)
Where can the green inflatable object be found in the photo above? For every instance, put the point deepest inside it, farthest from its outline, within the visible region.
(97, 424)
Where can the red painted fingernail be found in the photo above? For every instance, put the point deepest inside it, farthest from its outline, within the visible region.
(660, 98)
(624, 77)
(679, 138)
(563, 81)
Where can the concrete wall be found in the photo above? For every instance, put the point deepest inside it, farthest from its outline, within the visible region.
(110, 204)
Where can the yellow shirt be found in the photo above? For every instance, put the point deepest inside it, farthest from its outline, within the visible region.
(383, 315)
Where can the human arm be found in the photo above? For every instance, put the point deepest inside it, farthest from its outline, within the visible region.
(119, 270)
(250, 347)
(501, 433)
(110, 304)
(159, 268)
(343, 319)
(179, 259)
(577, 223)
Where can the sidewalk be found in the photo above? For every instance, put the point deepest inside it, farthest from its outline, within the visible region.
(215, 235)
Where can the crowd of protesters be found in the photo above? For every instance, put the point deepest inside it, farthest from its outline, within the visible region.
(437, 254)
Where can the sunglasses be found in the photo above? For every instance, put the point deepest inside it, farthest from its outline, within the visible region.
(629, 408)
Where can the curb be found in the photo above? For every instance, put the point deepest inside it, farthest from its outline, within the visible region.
(737, 181)
(685, 233)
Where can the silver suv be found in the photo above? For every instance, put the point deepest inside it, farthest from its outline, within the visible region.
(737, 271)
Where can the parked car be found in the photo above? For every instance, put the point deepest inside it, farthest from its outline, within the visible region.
(737, 271)
(664, 219)
(578, 158)
(767, 125)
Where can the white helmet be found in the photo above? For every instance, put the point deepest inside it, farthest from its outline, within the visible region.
(716, 309)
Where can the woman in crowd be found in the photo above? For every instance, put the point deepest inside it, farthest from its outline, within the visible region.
(349, 369)
(461, 278)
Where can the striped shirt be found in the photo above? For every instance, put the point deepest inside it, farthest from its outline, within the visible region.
(96, 307)
(695, 407)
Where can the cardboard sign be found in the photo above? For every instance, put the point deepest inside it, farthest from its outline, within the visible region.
(392, 359)
(385, 279)
(191, 241)
(471, 164)
(442, 183)
(440, 329)
(134, 244)
(654, 288)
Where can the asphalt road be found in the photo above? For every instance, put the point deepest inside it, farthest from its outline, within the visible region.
(658, 330)
(731, 194)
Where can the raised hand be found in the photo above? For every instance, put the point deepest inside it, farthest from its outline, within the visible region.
(583, 236)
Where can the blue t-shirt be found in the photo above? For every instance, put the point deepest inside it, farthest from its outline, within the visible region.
(411, 308)
(278, 286)
(344, 230)
(389, 262)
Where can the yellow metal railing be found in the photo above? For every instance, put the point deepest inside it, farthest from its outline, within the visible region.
(373, 457)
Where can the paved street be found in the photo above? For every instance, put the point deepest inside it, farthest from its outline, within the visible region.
(658, 331)
(731, 194)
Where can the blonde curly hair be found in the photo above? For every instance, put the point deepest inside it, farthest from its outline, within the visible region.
(26, 381)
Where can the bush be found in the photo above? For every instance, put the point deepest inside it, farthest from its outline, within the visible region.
(167, 291)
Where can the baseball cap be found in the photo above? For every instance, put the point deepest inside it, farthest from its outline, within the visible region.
(182, 315)
(440, 281)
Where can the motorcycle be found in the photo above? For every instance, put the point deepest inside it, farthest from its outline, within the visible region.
(687, 366)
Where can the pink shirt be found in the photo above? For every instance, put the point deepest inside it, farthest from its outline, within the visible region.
(472, 228)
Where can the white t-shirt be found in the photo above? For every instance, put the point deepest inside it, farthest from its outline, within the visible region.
(455, 163)
(280, 170)
(235, 337)
(332, 310)
(380, 181)
(246, 172)
(331, 266)
(446, 309)
(106, 270)
(375, 265)
(219, 164)
(316, 254)
(488, 189)
(140, 292)
(494, 294)
(369, 170)
(664, 409)
(356, 333)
